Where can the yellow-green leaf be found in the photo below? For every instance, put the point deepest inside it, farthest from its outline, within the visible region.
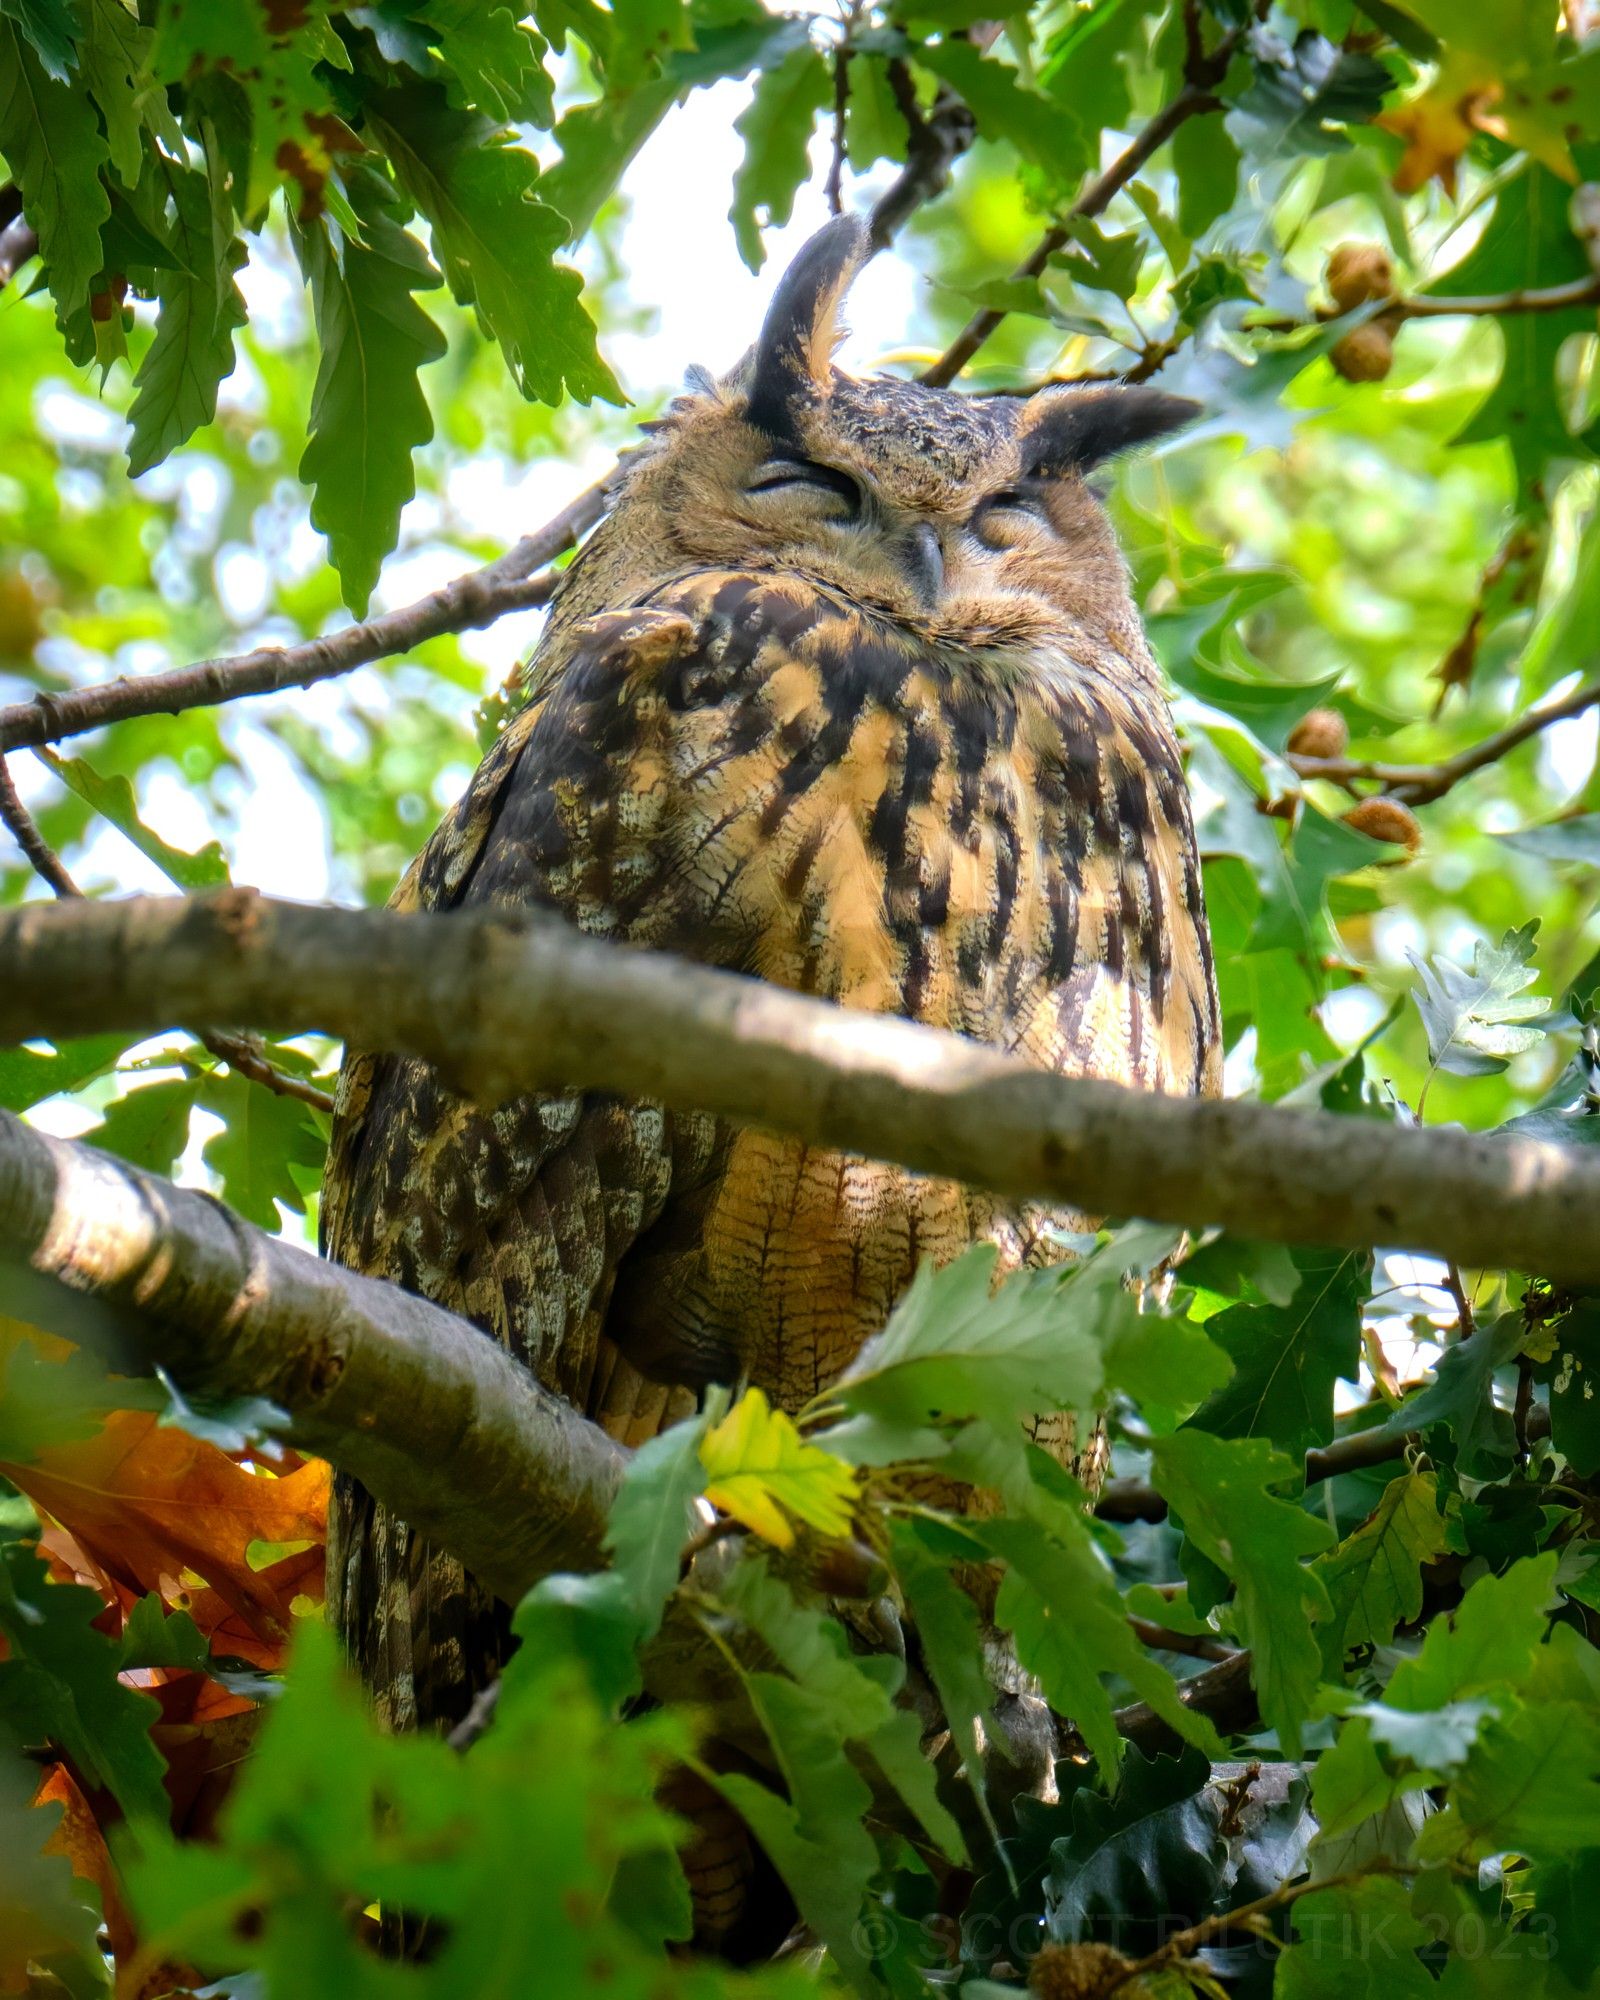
(761, 1471)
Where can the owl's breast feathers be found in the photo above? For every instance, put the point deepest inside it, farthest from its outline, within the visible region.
(748, 772)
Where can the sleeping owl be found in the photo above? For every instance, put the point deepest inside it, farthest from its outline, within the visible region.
(847, 693)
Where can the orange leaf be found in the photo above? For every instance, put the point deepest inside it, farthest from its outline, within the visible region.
(79, 1838)
(148, 1506)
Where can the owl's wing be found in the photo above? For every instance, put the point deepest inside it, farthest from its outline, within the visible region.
(515, 1217)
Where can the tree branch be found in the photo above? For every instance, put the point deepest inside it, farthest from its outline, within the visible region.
(1192, 100)
(478, 598)
(511, 1001)
(17, 244)
(1421, 784)
(433, 1418)
(234, 1050)
(1132, 1500)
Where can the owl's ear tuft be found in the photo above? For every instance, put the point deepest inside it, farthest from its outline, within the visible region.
(1070, 430)
(794, 355)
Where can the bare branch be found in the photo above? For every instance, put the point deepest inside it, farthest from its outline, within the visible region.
(478, 598)
(17, 244)
(435, 1419)
(1133, 1500)
(510, 1001)
(1421, 784)
(1195, 98)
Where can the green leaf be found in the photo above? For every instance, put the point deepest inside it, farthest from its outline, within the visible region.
(51, 29)
(1286, 1359)
(368, 412)
(149, 1127)
(646, 32)
(54, 151)
(45, 1401)
(201, 310)
(1206, 162)
(1302, 94)
(28, 1076)
(263, 1136)
(1060, 1603)
(114, 56)
(1531, 1782)
(1434, 1739)
(1218, 1487)
(609, 1617)
(1166, 1365)
(1044, 132)
(1356, 1941)
(491, 59)
(597, 143)
(946, 1620)
(113, 799)
(495, 241)
(1145, 1855)
(776, 129)
(857, 1692)
(953, 1348)
(1478, 1020)
(58, 1683)
(1489, 1642)
(815, 1836)
(153, 1636)
(1461, 1397)
(874, 125)
(1574, 839)
(1528, 241)
(1374, 1577)
(1574, 1397)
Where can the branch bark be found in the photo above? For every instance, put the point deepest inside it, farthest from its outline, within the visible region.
(1421, 784)
(430, 1415)
(479, 598)
(511, 1001)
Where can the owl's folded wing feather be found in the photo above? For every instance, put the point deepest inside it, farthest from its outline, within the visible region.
(515, 1217)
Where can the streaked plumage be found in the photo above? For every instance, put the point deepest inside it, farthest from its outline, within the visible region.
(847, 693)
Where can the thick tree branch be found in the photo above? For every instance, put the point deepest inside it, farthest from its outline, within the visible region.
(433, 1418)
(234, 1050)
(505, 1002)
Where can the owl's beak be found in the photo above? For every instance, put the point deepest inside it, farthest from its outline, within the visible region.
(922, 560)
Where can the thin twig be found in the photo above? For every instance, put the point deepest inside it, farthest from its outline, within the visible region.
(1197, 1645)
(234, 1050)
(1124, 1500)
(17, 244)
(1186, 1942)
(833, 191)
(1195, 98)
(478, 598)
(1421, 784)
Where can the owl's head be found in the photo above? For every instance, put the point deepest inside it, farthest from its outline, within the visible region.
(967, 519)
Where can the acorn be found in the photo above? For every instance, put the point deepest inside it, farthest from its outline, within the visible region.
(1320, 732)
(1358, 272)
(1386, 819)
(1080, 1972)
(1365, 353)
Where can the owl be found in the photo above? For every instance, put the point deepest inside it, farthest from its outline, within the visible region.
(847, 693)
